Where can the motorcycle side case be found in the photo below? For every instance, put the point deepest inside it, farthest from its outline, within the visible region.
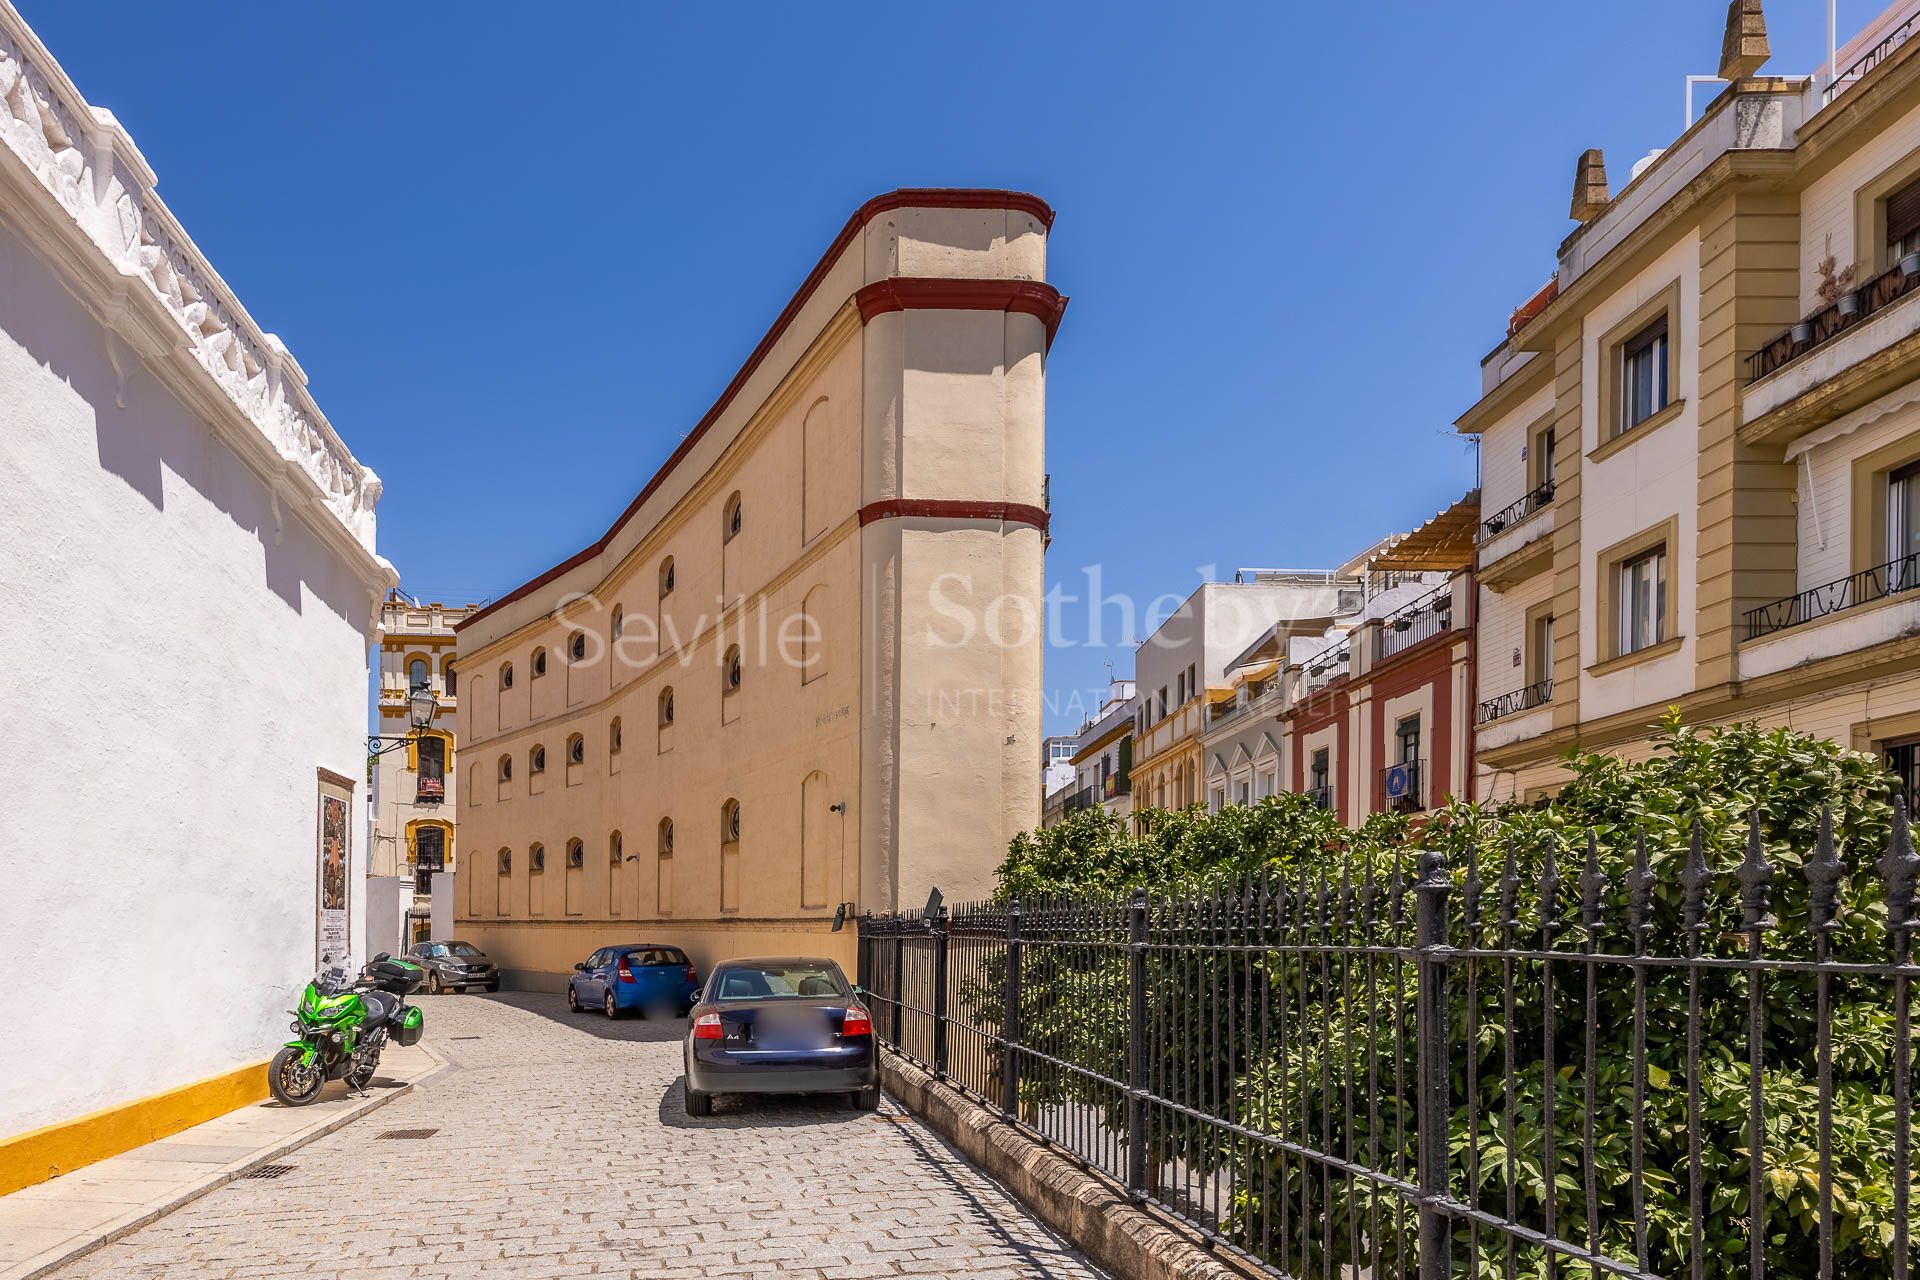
(412, 1025)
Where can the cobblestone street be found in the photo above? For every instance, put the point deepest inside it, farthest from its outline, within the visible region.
(564, 1149)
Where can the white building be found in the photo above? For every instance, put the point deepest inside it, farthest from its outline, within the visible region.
(190, 584)
(1103, 754)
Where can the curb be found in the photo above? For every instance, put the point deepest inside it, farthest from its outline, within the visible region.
(1091, 1214)
(61, 1255)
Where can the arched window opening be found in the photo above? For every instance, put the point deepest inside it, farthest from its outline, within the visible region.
(734, 520)
(576, 853)
(537, 859)
(666, 577)
(537, 760)
(418, 676)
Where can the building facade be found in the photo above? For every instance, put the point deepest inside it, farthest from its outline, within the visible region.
(1189, 656)
(1698, 440)
(1103, 755)
(416, 787)
(1376, 714)
(174, 507)
(801, 672)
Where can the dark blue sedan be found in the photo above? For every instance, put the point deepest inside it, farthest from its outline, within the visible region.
(789, 1025)
(658, 981)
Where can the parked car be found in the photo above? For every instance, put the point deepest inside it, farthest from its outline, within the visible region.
(791, 1025)
(659, 981)
(455, 966)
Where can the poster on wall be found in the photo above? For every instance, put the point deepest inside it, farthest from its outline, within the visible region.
(335, 854)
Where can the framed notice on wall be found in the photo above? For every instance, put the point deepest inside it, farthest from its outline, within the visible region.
(334, 855)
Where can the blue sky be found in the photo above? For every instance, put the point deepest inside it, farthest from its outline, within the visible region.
(520, 251)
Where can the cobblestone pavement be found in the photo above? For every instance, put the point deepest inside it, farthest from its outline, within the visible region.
(565, 1149)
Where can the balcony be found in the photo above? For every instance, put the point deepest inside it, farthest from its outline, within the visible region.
(1401, 787)
(430, 789)
(1537, 694)
(1872, 58)
(1084, 798)
(1513, 513)
(1828, 323)
(1425, 618)
(1321, 796)
(1116, 785)
(1878, 583)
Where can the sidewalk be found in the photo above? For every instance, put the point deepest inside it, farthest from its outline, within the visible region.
(46, 1225)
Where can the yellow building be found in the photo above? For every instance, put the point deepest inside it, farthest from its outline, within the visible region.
(801, 672)
(415, 788)
(1698, 441)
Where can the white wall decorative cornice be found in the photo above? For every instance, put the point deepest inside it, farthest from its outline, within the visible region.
(153, 287)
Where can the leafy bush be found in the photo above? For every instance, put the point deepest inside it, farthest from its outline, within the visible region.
(1525, 881)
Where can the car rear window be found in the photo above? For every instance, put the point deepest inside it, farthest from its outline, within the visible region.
(657, 955)
(779, 982)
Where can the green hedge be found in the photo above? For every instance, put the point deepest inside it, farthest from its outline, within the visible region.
(1361, 1024)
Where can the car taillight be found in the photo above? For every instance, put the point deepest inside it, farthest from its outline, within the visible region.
(856, 1023)
(626, 974)
(706, 1027)
(691, 975)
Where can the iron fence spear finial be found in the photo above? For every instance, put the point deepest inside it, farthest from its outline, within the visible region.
(1824, 871)
(1900, 868)
(1755, 874)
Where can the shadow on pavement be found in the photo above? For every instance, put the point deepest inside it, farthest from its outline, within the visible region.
(763, 1110)
(554, 1009)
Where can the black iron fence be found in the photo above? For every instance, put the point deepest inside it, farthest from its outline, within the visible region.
(1425, 618)
(1864, 587)
(1827, 323)
(1537, 694)
(1421, 1070)
(1539, 498)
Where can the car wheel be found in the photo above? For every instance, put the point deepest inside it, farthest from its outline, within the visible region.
(573, 999)
(698, 1103)
(613, 1010)
(493, 988)
(867, 1099)
(434, 985)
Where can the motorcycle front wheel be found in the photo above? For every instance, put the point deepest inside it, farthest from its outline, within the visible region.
(292, 1084)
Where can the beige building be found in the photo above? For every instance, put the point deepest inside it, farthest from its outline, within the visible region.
(802, 669)
(1699, 439)
(415, 787)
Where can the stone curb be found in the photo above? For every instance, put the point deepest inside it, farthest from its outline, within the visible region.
(1092, 1215)
(60, 1255)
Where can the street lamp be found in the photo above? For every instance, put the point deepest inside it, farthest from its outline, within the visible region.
(422, 707)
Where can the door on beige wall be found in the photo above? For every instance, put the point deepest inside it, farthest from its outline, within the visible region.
(816, 832)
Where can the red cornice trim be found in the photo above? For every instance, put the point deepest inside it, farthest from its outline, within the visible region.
(955, 509)
(904, 198)
(915, 293)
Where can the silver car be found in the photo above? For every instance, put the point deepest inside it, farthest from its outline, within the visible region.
(455, 966)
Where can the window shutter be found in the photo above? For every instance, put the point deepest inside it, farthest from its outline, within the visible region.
(1903, 213)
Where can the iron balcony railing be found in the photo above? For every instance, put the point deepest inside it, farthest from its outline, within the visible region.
(1084, 798)
(1117, 784)
(1829, 322)
(1322, 796)
(1537, 694)
(429, 789)
(1420, 1065)
(1402, 786)
(1514, 512)
(1877, 583)
(1871, 59)
(1422, 620)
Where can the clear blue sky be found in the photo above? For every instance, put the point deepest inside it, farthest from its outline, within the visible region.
(520, 250)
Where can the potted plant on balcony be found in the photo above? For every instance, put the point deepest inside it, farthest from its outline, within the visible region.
(1836, 285)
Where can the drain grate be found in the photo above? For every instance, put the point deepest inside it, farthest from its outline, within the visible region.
(406, 1135)
(266, 1171)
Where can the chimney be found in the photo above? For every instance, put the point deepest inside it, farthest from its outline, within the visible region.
(1744, 48)
(1590, 195)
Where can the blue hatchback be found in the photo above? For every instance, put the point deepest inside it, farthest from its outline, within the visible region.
(656, 980)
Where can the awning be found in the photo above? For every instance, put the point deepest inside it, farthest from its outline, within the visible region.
(1444, 543)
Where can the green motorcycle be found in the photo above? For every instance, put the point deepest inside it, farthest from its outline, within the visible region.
(342, 1026)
